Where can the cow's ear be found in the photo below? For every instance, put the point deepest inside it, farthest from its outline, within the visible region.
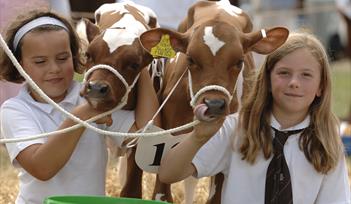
(87, 30)
(265, 41)
(162, 42)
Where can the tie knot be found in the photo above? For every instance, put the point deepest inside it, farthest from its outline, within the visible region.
(280, 138)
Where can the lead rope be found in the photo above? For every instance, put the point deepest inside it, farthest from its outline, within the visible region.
(134, 142)
(76, 119)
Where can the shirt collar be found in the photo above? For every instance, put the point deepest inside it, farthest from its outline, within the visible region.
(70, 99)
(304, 124)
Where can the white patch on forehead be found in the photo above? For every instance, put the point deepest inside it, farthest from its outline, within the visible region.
(118, 37)
(212, 41)
(145, 12)
(114, 7)
(131, 24)
(230, 9)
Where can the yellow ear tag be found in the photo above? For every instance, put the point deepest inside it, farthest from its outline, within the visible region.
(163, 48)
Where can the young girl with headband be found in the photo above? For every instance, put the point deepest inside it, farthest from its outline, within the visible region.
(290, 103)
(47, 47)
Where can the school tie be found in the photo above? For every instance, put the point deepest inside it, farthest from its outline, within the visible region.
(278, 183)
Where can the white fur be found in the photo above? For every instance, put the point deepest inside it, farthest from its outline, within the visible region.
(212, 41)
(230, 9)
(116, 37)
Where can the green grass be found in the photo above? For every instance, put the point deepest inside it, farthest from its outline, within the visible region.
(341, 88)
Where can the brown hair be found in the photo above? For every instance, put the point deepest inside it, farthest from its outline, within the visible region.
(320, 142)
(8, 71)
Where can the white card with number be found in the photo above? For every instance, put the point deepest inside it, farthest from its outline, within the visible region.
(150, 149)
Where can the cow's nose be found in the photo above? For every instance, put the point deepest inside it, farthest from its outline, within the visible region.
(97, 89)
(215, 106)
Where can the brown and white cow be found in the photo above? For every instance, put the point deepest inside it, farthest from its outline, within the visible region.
(114, 41)
(215, 46)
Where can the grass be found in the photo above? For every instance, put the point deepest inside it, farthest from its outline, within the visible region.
(341, 88)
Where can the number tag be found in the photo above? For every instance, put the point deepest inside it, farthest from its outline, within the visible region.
(150, 150)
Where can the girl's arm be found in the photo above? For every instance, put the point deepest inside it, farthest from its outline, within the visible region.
(177, 165)
(43, 161)
(147, 103)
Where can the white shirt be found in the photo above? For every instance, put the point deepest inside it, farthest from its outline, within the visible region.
(245, 183)
(84, 173)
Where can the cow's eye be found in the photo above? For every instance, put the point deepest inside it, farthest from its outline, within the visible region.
(134, 66)
(190, 61)
(240, 64)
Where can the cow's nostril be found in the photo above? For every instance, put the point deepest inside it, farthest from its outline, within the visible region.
(97, 89)
(103, 89)
(215, 106)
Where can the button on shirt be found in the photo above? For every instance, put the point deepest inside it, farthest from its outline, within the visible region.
(245, 183)
(84, 173)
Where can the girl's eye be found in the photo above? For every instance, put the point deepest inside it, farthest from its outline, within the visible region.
(63, 58)
(39, 62)
(283, 73)
(307, 74)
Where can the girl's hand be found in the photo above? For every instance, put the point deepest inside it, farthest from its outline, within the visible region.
(86, 112)
(206, 129)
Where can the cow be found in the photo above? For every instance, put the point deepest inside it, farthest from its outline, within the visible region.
(114, 41)
(214, 47)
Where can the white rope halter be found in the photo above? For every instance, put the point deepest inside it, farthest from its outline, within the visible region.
(195, 97)
(115, 72)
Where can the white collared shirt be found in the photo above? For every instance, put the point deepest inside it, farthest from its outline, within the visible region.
(84, 173)
(245, 183)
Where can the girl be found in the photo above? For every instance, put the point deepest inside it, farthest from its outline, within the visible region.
(72, 163)
(292, 93)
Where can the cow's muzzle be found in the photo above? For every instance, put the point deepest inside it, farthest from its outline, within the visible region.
(97, 89)
(210, 109)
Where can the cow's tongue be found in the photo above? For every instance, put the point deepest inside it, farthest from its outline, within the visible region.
(200, 112)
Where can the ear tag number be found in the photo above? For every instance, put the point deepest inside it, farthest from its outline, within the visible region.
(163, 48)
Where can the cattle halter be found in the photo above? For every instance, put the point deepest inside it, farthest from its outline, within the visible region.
(195, 97)
(117, 74)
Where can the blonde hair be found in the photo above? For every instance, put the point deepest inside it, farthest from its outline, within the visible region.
(8, 71)
(320, 142)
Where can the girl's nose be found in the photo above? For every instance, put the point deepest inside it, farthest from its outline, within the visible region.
(294, 82)
(54, 67)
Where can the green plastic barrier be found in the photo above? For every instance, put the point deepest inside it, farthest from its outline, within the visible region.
(96, 200)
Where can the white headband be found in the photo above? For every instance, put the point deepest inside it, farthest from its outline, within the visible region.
(44, 20)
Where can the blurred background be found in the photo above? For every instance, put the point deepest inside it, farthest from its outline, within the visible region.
(327, 19)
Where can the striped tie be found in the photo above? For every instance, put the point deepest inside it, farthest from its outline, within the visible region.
(278, 183)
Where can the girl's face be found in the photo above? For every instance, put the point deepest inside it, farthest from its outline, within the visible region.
(295, 82)
(47, 59)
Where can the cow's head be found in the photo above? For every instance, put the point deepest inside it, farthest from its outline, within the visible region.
(114, 42)
(215, 54)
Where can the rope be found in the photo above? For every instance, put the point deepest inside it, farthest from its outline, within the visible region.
(76, 119)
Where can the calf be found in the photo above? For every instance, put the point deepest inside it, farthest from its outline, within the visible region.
(215, 47)
(114, 41)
